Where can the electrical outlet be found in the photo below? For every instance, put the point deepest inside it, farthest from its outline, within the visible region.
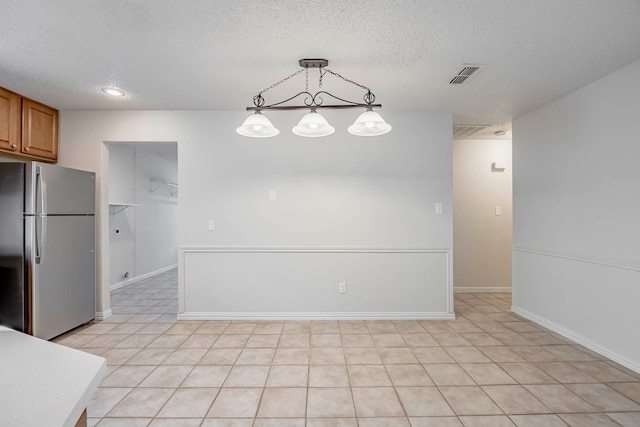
(342, 287)
(212, 225)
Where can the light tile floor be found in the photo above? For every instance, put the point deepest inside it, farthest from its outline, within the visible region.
(486, 368)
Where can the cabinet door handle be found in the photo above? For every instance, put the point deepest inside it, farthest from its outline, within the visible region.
(26, 148)
(14, 146)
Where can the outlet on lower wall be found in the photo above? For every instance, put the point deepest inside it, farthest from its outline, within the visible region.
(342, 287)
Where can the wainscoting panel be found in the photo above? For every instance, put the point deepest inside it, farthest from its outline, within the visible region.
(303, 283)
(593, 302)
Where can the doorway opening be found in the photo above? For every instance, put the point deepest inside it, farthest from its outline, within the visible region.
(143, 222)
(482, 215)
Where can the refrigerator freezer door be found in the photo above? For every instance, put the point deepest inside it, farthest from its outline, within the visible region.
(55, 190)
(64, 282)
(12, 291)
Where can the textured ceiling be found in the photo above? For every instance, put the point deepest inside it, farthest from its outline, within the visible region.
(217, 54)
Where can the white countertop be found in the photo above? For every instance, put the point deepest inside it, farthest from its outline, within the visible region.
(43, 383)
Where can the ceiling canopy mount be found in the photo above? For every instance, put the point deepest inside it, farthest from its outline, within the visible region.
(313, 63)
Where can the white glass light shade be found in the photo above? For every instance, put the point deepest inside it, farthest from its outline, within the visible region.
(369, 123)
(313, 125)
(257, 126)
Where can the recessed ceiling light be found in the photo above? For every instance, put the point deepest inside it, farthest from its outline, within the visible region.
(113, 91)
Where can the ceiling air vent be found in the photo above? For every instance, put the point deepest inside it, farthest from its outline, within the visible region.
(465, 131)
(465, 72)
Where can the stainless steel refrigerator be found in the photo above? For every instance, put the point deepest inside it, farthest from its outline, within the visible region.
(47, 248)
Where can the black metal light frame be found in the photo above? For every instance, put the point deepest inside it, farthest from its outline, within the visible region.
(314, 101)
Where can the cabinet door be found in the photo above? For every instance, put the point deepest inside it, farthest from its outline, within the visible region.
(9, 121)
(39, 130)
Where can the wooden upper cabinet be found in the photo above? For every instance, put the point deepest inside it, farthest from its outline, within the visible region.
(28, 129)
(9, 121)
(39, 130)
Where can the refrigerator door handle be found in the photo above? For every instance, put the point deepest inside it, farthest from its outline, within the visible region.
(43, 240)
(37, 235)
(43, 191)
(40, 215)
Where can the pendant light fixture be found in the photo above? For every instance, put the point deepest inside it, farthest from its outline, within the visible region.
(313, 124)
(257, 126)
(369, 123)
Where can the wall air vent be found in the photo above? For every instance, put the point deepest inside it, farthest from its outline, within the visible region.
(464, 73)
(465, 131)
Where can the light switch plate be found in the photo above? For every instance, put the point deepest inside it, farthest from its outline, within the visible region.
(439, 208)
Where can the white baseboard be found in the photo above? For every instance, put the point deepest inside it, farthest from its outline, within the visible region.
(101, 315)
(315, 316)
(573, 336)
(141, 277)
(481, 289)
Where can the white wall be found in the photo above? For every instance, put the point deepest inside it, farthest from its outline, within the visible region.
(121, 218)
(336, 192)
(156, 219)
(576, 208)
(121, 173)
(482, 239)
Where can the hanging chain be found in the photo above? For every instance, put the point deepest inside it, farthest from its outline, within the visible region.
(326, 70)
(259, 101)
(282, 81)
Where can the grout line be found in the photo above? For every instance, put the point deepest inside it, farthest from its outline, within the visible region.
(488, 310)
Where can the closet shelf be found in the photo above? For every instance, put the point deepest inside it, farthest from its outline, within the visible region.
(121, 206)
(124, 204)
(155, 184)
